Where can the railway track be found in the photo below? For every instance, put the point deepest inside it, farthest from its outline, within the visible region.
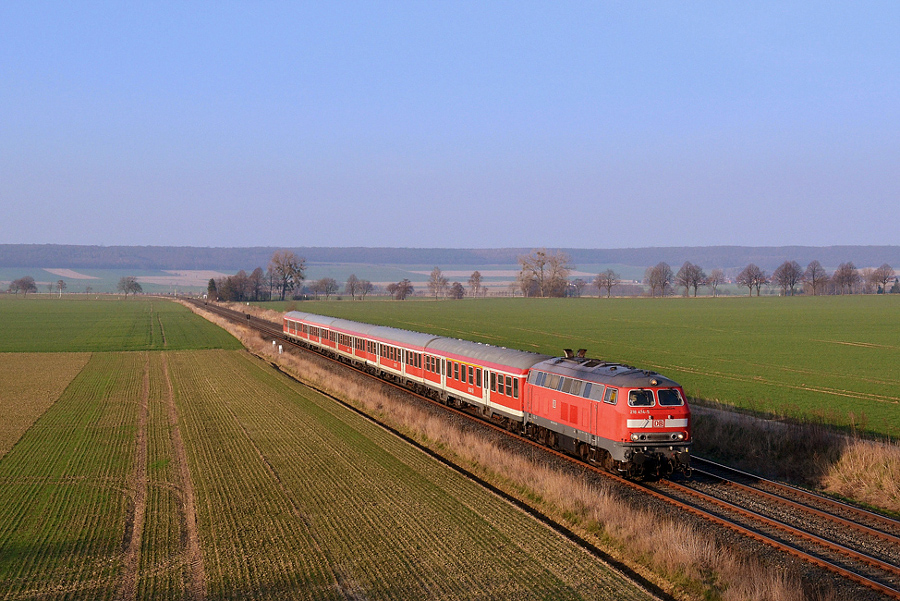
(859, 545)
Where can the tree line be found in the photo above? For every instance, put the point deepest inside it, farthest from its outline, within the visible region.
(790, 277)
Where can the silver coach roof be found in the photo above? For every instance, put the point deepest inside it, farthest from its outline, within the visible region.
(466, 348)
(487, 353)
(406, 337)
(614, 374)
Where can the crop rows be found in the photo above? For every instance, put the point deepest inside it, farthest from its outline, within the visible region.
(62, 506)
(29, 384)
(54, 325)
(831, 358)
(295, 494)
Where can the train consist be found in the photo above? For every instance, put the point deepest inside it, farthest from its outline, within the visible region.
(631, 421)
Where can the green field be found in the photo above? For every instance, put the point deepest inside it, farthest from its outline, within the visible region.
(171, 474)
(49, 324)
(834, 358)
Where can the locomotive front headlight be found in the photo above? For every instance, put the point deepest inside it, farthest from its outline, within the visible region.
(635, 437)
(678, 436)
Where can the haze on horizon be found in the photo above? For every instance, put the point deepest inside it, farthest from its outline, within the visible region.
(459, 125)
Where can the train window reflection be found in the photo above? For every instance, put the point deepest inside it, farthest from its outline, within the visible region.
(669, 397)
(640, 398)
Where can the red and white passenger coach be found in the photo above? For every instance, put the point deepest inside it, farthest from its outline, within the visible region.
(632, 421)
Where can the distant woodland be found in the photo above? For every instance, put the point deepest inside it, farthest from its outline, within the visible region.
(225, 259)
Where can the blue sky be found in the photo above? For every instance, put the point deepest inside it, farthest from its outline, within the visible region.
(450, 124)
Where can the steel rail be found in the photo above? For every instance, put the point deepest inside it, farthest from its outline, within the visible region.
(817, 498)
(276, 332)
(803, 507)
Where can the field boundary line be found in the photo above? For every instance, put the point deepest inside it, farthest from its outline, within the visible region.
(137, 486)
(193, 557)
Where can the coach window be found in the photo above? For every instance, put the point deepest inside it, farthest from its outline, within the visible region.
(669, 397)
(478, 377)
(493, 382)
(471, 376)
(640, 398)
(508, 385)
(516, 388)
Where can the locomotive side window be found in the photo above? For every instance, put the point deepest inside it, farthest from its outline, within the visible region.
(612, 395)
(640, 398)
(566, 385)
(553, 382)
(586, 393)
(597, 392)
(669, 397)
(576, 387)
(541, 378)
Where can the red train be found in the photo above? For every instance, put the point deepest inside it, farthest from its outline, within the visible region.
(631, 421)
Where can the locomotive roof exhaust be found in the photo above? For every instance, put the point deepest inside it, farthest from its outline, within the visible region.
(570, 355)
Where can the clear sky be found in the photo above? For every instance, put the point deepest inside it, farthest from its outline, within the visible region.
(450, 124)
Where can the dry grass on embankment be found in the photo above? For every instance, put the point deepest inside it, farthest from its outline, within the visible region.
(678, 557)
(809, 454)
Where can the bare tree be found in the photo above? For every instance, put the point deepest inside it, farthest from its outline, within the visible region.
(475, 283)
(352, 286)
(659, 277)
(457, 291)
(846, 276)
(608, 279)
(60, 286)
(788, 276)
(129, 284)
(287, 270)
(329, 286)
(88, 289)
(365, 287)
(815, 276)
(716, 278)
(578, 285)
(548, 272)
(882, 275)
(751, 276)
(256, 284)
(26, 284)
(401, 289)
(437, 283)
(690, 276)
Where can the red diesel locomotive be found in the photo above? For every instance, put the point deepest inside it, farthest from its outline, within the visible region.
(631, 421)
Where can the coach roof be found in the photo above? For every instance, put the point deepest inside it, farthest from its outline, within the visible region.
(487, 353)
(367, 330)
